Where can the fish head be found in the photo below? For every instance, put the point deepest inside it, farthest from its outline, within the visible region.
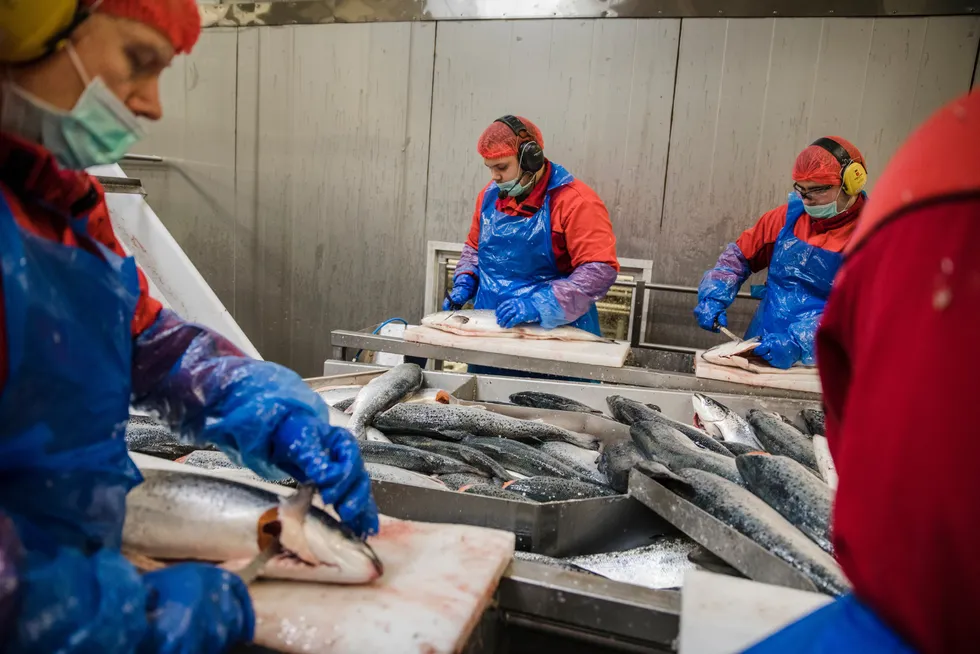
(709, 414)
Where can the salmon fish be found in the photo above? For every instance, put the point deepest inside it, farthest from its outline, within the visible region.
(483, 322)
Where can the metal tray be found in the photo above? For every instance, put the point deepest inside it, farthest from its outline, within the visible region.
(558, 529)
(736, 549)
(570, 528)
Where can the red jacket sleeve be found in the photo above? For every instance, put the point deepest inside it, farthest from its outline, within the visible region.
(757, 242)
(473, 240)
(580, 226)
(100, 229)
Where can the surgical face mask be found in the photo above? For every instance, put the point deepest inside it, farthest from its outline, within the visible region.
(514, 188)
(820, 211)
(100, 129)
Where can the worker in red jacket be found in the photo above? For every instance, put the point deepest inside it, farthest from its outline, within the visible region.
(801, 244)
(898, 364)
(80, 340)
(541, 247)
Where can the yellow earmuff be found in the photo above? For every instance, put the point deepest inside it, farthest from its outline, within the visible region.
(853, 175)
(30, 29)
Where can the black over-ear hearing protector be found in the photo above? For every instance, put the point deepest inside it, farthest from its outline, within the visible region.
(530, 156)
(853, 175)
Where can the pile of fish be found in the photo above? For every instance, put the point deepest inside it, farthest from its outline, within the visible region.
(759, 475)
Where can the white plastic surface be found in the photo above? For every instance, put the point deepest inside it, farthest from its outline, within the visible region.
(173, 278)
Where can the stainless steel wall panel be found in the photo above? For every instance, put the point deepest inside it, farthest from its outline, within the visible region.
(332, 160)
(599, 90)
(194, 193)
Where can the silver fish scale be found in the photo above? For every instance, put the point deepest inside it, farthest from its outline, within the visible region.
(457, 451)
(751, 516)
(522, 458)
(381, 393)
(478, 422)
(660, 441)
(791, 489)
(579, 459)
(416, 460)
(659, 565)
(557, 489)
(778, 437)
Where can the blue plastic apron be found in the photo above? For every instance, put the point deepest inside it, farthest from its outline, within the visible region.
(516, 259)
(843, 627)
(799, 281)
(64, 469)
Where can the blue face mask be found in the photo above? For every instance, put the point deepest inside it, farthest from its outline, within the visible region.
(100, 129)
(513, 188)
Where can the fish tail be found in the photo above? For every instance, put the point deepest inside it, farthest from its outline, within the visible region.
(585, 441)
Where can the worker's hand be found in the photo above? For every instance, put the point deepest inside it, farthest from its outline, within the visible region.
(710, 311)
(312, 451)
(464, 290)
(193, 607)
(515, 311)
(780, 350)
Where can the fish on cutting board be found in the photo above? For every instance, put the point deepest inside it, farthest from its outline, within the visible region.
(794, 491)
(778, 437)
(721, 422)
(551, 402)
(453, 419)
(185, 515)
(557, 489)
(382, 393)
(660, 442)
(483, 322)
(750, 515)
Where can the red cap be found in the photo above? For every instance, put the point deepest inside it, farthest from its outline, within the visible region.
(499, 140)
(178, 20)
(818, 166)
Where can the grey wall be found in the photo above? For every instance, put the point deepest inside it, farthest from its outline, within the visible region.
(314, 162)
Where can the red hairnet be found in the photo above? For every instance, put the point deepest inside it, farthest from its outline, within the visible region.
(817, 166)
(498, 140)
(178, 20)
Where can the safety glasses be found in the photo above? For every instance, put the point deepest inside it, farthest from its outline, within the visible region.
(808, 194)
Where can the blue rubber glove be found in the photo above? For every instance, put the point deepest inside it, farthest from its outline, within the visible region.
(708, 312)
(464, 290)
(780, 350)
(515, 311)
(310, 450)
(193, 607)
(260, 414)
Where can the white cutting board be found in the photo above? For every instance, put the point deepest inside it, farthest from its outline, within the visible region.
(721, 614)
(612, 355)
(798, 378)
(437, 582)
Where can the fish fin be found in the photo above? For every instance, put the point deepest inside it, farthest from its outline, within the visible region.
(291, 516)
(658, 470)
(142, 562)
(585, 441)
